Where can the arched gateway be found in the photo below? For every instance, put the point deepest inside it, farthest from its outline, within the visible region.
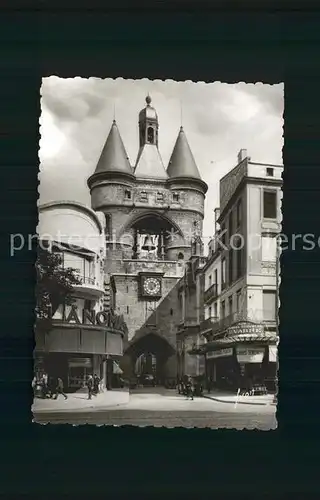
(151, 354)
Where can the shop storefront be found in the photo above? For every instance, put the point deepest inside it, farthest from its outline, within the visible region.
(73, 353)
(242, 354)
(78, 371)
(220, 367)
(241, 364)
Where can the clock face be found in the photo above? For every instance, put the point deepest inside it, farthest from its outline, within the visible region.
(151, 286)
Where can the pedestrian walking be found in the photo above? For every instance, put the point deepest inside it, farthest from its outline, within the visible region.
(209, 386)
(96, 382)
(34, 386)
(190, 388)
(51, 386)
(59, 389)
(90, 386)
(44, 385)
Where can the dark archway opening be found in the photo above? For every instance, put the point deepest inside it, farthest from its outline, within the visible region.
(149, 355)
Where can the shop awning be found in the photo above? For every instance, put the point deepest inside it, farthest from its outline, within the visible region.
(235, 339)
(116, 369)
(80, 362)
(273, 353)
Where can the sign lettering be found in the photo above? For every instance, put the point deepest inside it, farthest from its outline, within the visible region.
(246, 329)
(220, 353)
(250, 354)
(101, 318)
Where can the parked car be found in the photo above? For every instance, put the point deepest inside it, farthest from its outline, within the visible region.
(133, 382)
(147, 380)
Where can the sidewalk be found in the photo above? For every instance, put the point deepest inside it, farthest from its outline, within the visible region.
(78, 401)
(228, 397)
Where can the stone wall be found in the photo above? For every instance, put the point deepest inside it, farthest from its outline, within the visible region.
(142, 316)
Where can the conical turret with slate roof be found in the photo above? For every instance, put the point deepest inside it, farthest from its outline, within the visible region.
(114, 157)
(182, 162)
(113, 166)
(182, 166)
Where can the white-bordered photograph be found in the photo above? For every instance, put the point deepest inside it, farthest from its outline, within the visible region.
(158, 253)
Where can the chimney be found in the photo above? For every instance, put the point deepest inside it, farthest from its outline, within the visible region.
(242, 155)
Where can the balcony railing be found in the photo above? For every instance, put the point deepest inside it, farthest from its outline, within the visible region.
(86, 280)
(188, 322)
(89, 285)
(211, 292)
(208, 323)
(217, 325)
(197, 347)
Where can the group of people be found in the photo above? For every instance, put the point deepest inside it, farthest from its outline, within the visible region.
(52, 387)
(189, 388)
(48, 387)
(93, 385)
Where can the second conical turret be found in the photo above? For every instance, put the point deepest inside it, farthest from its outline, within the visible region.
(182, 162)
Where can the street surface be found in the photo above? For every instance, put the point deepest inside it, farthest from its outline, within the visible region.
(160, 407)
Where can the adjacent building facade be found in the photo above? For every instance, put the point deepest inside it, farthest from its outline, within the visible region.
(191, 305)
(86, 337)
(241, 278)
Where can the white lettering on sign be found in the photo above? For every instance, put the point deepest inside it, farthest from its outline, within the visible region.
(249, 329)
(250, 354)
(220, 353)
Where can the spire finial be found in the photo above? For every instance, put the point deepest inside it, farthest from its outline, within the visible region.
(148, 99)
(181, 115)
(114, 112)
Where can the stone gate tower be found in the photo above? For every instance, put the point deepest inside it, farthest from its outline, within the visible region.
(153, 218)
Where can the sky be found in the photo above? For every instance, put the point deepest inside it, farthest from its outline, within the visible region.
(219, 119)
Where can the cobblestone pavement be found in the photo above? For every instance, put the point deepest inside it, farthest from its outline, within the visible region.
(162, 408)
(200, 419)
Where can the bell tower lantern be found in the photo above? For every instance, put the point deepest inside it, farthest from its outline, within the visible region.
(148, 125)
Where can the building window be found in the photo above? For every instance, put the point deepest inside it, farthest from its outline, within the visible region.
(171, 312)
(230, 266)
(239, 213)
(215, 308)
(150, 135)
(210, 312)
(143, 196)
(270, 204)
(238, 300)
(210, 280)
(88, 305)
(269, 305)
(223, 234)
(108, 227)
(230, 226)
(159, 196)
(230, 304)
(240, 254)
(180, 256)
(127, 194)
(269, 248)
(175, 197)
(216, 278)
(223, 273)
(270, 172)
(223, 309)
(127, 309)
